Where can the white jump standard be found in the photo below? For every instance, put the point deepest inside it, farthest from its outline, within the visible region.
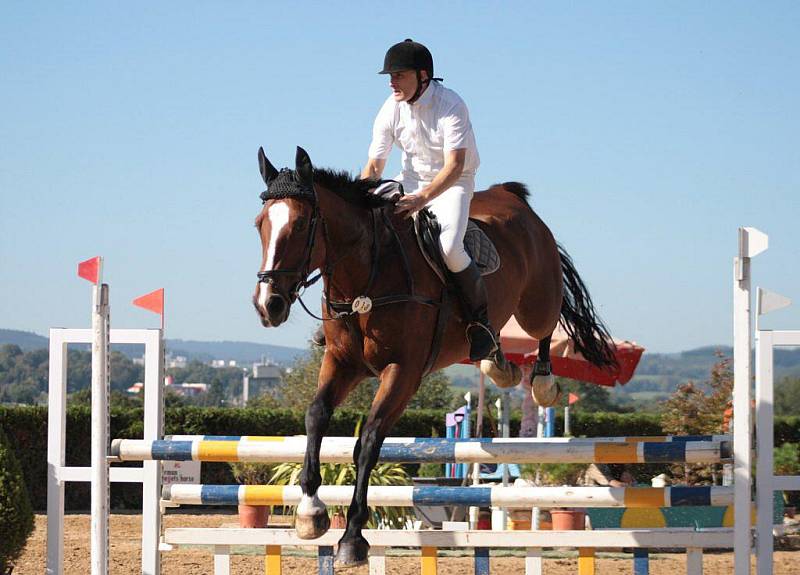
(155, 448)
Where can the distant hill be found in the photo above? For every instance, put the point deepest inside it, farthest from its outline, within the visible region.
(658, 374)
(26, 340)
(243, 352)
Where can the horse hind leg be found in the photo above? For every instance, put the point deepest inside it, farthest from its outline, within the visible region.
(544, 387)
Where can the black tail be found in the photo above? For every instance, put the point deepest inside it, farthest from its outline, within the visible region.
(580, 320)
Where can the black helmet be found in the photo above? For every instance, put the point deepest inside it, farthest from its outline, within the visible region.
(408, 55)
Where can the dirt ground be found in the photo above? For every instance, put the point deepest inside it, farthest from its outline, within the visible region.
(125, 555)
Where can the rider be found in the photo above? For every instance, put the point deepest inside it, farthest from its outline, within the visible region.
(431, 125)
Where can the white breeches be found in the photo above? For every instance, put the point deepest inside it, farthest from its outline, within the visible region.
(452, 212)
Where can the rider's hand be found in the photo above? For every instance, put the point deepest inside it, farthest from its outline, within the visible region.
(410, 204)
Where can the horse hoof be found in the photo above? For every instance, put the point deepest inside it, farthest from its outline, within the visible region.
(546, 390)
(312, 518)
(312, 526)
(351, 553)
(503, 377)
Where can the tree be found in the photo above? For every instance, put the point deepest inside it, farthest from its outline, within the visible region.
(594, 397)
(787, 397)
(700, 410)
(435, 392)
(299, 384)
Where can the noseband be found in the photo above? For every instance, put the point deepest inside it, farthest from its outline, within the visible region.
(285, 186)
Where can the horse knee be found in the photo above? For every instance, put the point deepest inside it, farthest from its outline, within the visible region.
(318, 412)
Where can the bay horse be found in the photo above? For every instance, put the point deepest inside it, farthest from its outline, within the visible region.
(383, 306)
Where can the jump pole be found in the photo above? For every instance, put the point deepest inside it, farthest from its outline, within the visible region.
(751, 243)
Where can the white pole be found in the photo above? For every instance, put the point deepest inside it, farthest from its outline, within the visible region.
(527, 427)
(764, 439)
(751, 243)
(153, 429)
(100, 423)
(56, 445)
(566, 421)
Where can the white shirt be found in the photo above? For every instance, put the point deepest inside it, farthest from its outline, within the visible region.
(437, 123)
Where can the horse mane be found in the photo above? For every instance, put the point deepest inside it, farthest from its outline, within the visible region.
(351, 189)
(518, 189)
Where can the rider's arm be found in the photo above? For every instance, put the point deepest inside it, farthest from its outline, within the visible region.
(373, 169)
(382, 140)
(449, 174)
(453, 167)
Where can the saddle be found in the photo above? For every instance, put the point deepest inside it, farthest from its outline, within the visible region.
(478, 245)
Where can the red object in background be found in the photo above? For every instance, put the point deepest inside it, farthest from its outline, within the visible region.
(154, 301)
(572, 398)
(90, 269)
(521, 348)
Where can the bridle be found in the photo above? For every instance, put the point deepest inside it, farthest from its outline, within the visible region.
(285, 186)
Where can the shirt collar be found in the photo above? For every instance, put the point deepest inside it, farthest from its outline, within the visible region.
(426, 99)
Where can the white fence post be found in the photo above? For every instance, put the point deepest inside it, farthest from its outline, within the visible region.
(100, 424)
(764, 439)
(751, 243)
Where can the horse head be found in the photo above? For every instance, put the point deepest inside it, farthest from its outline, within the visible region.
(288, 228)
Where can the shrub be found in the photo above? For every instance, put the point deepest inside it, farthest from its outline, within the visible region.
(16, 515)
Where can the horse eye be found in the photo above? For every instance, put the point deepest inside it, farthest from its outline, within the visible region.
(300, 224)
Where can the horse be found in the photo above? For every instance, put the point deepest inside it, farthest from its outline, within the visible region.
(385, 310)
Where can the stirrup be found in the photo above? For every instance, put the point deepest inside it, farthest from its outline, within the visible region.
(318, 338)
(484, 345)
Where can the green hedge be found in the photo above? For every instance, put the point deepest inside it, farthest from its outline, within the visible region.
(16, 515)
(27, 430)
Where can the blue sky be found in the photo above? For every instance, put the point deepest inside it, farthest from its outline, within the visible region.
(647, 133)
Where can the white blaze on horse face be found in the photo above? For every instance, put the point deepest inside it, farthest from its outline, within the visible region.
(278, 215)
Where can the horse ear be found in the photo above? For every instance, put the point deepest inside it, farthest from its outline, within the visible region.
(268, 171)
(303, 167)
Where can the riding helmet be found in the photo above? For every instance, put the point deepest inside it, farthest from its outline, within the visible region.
(408, 55)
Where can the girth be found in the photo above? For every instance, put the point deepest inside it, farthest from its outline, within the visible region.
(364, 303)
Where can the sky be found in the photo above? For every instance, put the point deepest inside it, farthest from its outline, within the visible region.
(647, 132)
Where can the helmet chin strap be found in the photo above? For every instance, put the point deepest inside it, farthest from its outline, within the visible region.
(420, 83)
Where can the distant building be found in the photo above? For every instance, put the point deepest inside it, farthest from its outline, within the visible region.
(176, 360)
(263, 377)
(182, 389)
(219, 363)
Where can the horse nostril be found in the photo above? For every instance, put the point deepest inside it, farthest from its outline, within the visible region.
(275, 306)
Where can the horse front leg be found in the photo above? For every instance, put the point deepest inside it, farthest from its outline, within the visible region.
(395, 391)
(335, 382)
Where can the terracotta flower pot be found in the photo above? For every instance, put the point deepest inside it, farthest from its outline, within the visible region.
(253, 516)
(338, 521)
(568, 519)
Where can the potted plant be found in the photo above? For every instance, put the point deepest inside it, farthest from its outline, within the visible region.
(252, 474)
(558, 474)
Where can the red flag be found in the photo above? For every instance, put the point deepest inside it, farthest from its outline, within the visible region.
(154, 301)
(90, 270)
(573, 398)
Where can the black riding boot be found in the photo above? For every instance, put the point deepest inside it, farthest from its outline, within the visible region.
(482, 339)
(318, 338)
